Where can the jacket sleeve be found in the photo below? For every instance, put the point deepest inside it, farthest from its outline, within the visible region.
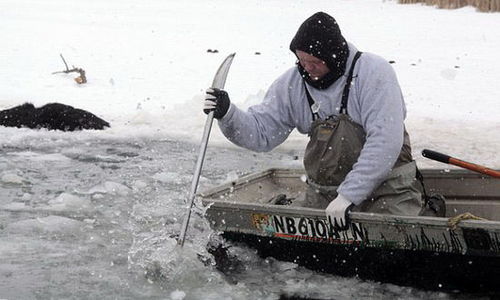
(263, 126)
(382, 111)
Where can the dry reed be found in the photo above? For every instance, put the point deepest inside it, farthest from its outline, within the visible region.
(480, 5)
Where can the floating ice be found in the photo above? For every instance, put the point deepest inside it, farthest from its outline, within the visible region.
(174, 178)
(63, 203)
(34, 156)
(15, 206)
(12, 178)
(139, 184)
(67, 201)
(177, 295)
(50, 224)
(168, 177)
(110, 187)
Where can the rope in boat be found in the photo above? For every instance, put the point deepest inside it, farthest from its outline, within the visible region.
(453, 221)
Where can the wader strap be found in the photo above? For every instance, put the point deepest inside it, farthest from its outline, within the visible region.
(420, 178)
(347, 87)
(345, 93)
(311, 103)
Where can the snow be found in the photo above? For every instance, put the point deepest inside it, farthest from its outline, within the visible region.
(147, 63)
(97, 208)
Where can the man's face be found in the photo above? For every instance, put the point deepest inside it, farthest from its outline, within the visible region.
(314, 66)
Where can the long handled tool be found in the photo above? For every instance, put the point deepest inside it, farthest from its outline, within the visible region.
(218, 82)
(457, 162)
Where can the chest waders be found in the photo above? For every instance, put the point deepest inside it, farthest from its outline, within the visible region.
(334, 147)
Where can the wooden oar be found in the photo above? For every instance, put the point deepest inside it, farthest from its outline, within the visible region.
(460, 163)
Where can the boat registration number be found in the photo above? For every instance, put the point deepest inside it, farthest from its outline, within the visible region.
(314, 229)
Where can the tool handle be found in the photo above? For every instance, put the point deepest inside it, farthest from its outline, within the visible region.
(460, 163)
(436, 156)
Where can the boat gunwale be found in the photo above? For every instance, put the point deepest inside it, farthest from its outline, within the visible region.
(356, 217)
(208, 199)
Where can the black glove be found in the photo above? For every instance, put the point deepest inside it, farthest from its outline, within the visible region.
(216, 100)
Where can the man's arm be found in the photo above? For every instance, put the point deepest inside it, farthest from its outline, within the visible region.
(382, 113)
(263, 126)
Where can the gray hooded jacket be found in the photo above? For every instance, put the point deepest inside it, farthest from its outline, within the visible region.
(375, 102)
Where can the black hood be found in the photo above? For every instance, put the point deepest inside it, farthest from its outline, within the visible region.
(320, 37)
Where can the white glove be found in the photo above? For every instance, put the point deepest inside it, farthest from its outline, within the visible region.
(337, 212)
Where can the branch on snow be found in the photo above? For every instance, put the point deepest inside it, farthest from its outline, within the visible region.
(80, 79)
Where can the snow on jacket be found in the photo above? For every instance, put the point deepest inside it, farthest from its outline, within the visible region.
(375, 102)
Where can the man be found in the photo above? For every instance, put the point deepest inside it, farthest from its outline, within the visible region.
(351, 106)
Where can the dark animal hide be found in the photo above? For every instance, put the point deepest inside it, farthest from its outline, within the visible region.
(53, 116)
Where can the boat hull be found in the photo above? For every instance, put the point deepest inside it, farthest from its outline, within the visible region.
(422, 269)
(426, 252)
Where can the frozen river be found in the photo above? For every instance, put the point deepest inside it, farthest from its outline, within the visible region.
(89, 215)
(97, 218)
